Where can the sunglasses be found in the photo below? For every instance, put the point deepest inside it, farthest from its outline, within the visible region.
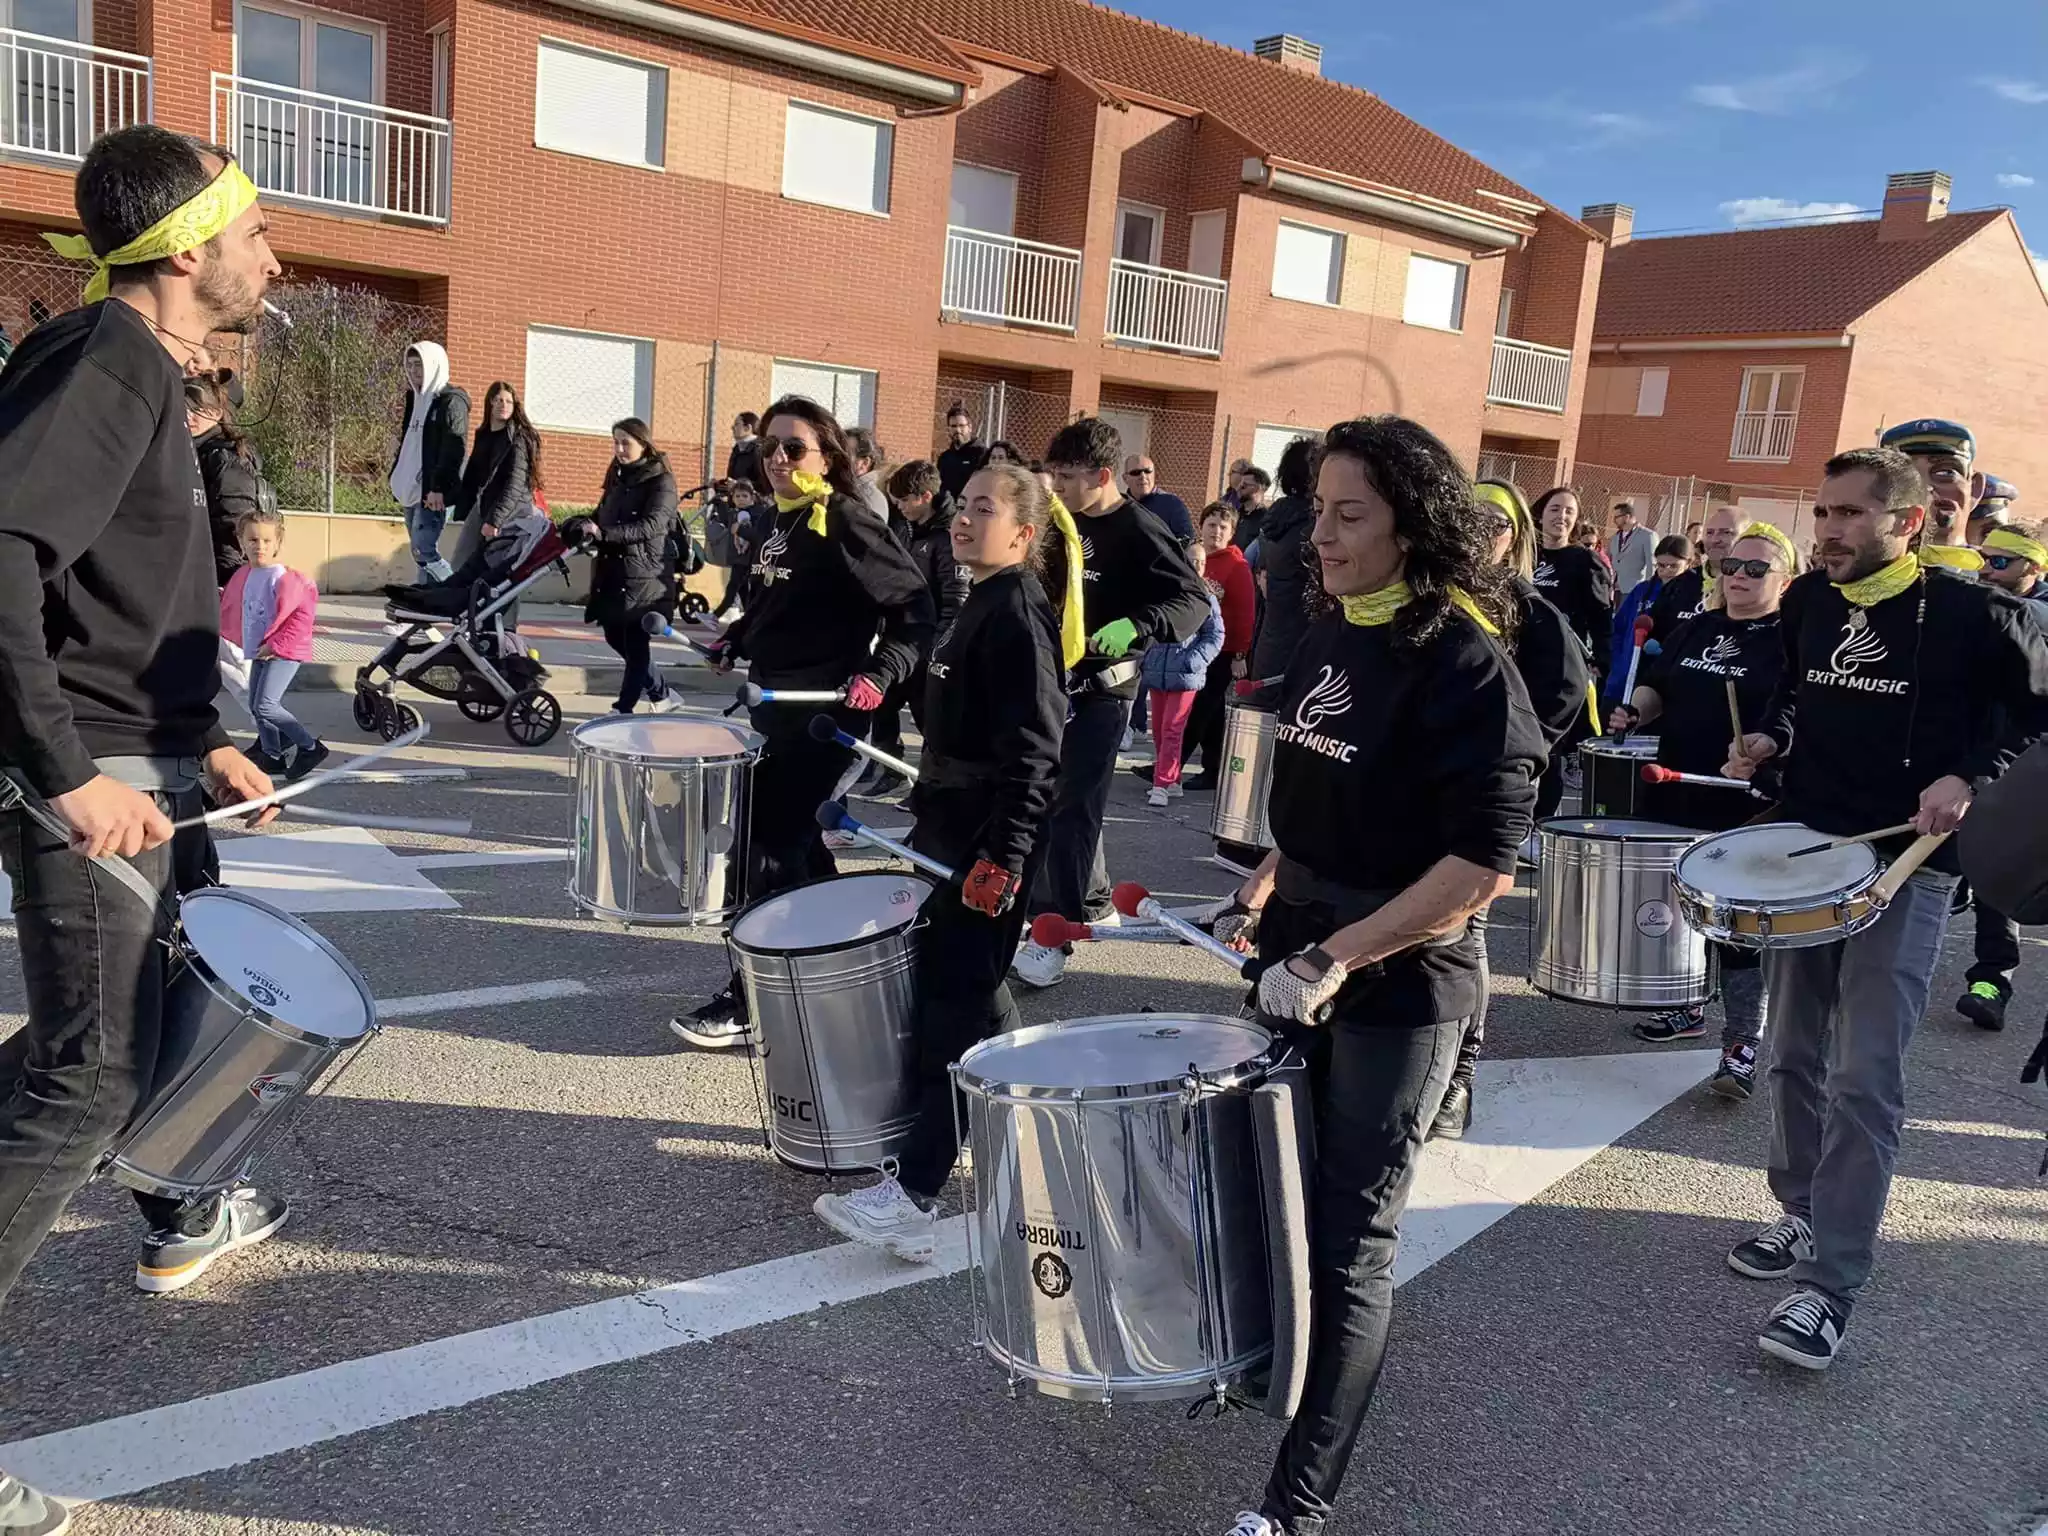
(1500, 523)
(2005, 562)
(794, 449)
(1755, 569)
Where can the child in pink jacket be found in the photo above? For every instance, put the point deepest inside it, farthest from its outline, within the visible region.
(267, 609)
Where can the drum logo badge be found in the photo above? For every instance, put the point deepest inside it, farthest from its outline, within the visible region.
(1050, 1274)
(1037, 1234)
(275, 1087)
(265, 991)
(1654, 919)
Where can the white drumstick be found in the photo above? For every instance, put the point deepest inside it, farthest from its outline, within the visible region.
(434, 826)
(1902, 868)
(326, 776)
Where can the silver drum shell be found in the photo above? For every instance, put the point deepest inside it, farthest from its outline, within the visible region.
(1246, 777)
(1608, 923)
(659, 841)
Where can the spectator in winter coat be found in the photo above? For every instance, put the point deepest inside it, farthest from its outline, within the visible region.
(634, 573)
(744, 462)
(1141, 484)
(927, 532)
(228, 465)
(1284, 557)
(962, 455)
(867, 457)
(502, 474)
(426, 476)
(1229, 577)
(1254, 488)
(1673, 558)
(1174, 674)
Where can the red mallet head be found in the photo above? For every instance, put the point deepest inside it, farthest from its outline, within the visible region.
(1657, 773)
(1128, 897)
(1644, 625)
(1051, 930)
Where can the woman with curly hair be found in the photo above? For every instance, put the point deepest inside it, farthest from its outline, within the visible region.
(1404, 777)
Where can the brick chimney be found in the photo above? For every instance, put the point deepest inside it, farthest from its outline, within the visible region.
(1291, 52)
(1912, 201)
(1612, 222)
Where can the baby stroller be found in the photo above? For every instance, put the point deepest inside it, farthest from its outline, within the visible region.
(481, 663)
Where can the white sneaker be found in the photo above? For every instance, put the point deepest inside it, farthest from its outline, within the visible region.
(1158, 797)
(1251, 1524)
(1039, 966)
(1125, 745)
(1175, 790)
(838, 841)
(883, 1216)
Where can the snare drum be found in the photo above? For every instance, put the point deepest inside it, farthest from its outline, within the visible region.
(1739, 888)
(1120, 1225)
(1607, 926)
(1611, 774)
(1247, 775)
(828, 971)
(658, 819)
(257, 1009)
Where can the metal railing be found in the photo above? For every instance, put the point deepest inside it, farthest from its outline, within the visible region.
(62, 95)
(1765, 435)
(1535, 377)
(1157, 307)
(313, 148)
(1010, 281)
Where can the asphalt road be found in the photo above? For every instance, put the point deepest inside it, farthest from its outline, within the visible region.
(1586, 1364)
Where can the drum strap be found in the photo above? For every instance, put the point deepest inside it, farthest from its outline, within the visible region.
(1297, 883)
(1115, 675)
(16, 797)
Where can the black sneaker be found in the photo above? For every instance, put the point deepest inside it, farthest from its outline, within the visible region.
(1203, 783)
(1735, 1078)
(1455, 1116)
(24, 1512)
(864, 784)
(887, 784)
(1984, 1005)
(718, 1024)
(1773, 1252)
(172, 1260)
(1678, 1024)
(1141, 771)
(1805, 1330)
(306, 759)
(270, 765)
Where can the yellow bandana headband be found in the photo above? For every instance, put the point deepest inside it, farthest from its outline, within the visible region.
(2010, 541)
(1073, 621)
(1777, 538)
(200, 218)
(812, 492)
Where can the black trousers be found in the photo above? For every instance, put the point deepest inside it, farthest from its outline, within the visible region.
(1072, 882)
(794, 776)
(889, 718)
(1998, 949)
(94, 968)
(632, 644)
(1377, 1084)
(1205, 719)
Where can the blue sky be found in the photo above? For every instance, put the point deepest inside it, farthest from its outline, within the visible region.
(1702, 114)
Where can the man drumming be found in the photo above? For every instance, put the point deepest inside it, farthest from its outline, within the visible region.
(109, 637)
(1891, 708)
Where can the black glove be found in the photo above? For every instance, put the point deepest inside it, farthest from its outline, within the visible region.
(579, 531)
(1236, 921)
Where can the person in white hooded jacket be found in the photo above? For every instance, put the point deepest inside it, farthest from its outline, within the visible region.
(433, 433)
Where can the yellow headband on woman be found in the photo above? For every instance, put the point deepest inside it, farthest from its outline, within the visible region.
(2010, 541)
(1776, 537)
(1073, 623)
(202, 217)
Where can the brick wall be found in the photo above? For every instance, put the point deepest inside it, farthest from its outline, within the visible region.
(1003, 127)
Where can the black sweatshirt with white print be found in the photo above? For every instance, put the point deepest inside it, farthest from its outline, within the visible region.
(1582, 588)
(1691, 675)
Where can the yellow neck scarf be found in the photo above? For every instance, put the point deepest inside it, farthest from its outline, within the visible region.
(2010, 541)
(1370, 609)
(1879, 585)
(185, 228)
(812, 492)
(1959, 557)
(1073, 621)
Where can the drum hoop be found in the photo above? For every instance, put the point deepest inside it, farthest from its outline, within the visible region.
(1607, 746)
(1672, 834)
(1833, 896)
(837, 946)
(205, 971)
(1247, 1073)
(746, 748)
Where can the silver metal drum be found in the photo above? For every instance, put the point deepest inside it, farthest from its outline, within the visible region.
(1247, 775)
(827, 969)
(1611, 774)
(658, 819)
(1119, 1227)
(258, 1008)
(1607, 922)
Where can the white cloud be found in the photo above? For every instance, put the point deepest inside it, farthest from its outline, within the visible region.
(1771, 210)
(1782, 92)
(2028, 93)
(2014, 179)
(1673, 13)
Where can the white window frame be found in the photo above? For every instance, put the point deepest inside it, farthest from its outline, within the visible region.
(1152, 211)
(308, 16)
(887, 140)
(639, 409)
(441, 41)
(1221, 220)
(1661, 393)
(1777, 371)
(82, 8)
(1504, 313)
(874, 403)
(1292, 432)
(1339, 252)
(548, 40)
(1464, 271)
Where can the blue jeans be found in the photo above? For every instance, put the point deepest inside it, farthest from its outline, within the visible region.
(275, 724)
(424, 525)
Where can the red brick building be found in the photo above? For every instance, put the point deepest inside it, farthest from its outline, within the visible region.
(1751, 357)
(676, 208)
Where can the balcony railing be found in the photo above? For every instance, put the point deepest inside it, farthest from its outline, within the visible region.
(1535, 377)
(1175, 311)
(1008, 281)
(311, 148)
(62, 95)
(1763, 435)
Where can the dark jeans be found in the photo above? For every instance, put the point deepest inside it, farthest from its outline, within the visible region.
(889, 718)
(1072, 882)
(1377, 1085)
(632, 642)
(795, 775)
(1472, 1039)
(94, 968)
(1998, 949)
(1205, 720)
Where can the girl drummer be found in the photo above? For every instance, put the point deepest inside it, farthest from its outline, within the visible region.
(837, 604)
(1684, 691)
(1404, 776)
(995, 705)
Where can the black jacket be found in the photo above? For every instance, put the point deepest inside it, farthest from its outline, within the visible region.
(931, 550)
(1134, 569)
(1553, 668)
(1284, 555)
(634, 573)
(497, 482)
(957, 464)
(442, 441)
(234, 488)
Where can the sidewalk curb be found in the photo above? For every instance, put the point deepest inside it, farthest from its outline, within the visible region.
(562, 680)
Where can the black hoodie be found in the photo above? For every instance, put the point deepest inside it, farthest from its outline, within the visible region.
(931, 550)
(1283, 559)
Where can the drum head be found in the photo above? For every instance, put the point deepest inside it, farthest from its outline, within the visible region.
(276, 962)
(1616, 829)
(1128, 1051)
(1749, 865)
(661, 738)
(826, 914)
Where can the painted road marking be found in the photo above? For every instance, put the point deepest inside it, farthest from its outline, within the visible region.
(1542, 1120)
(485, 858)
(480, 997)
(328, 869)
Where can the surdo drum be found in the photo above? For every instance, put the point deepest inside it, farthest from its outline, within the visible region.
(1611, 774)
(658, 819)
(828, 969)
(257, 1009)
(1138, 1226)
(1738, 887)
(1607, 924)
(1247, 776)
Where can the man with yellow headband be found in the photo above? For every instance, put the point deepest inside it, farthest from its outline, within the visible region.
(1893, 707)
(109, 626)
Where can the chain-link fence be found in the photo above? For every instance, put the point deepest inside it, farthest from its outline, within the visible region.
(1179, 443)
(35, 286)
(1531, 474)
(1002, 412)
(1660, 501)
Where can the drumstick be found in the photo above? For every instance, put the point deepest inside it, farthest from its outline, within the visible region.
(834, 817)
(1133, 900)
(1844, 842)
(825, 728)
(1052, 930)
(1657, 773)
(311, 781)
(1902, 868)
(1735, 714)
(1245, 687)
(661, 629)
(1644, 625)
(753, 696)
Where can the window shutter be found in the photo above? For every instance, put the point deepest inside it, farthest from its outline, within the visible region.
(848, 393)
(1308, 263)
(598, 105)
(1436, 293)
(582, 382)
(836, 159)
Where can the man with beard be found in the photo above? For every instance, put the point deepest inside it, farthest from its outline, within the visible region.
(1945, 453)
(110, 629)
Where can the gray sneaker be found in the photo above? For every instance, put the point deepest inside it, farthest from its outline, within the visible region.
(172, 1260)
(24, 1512)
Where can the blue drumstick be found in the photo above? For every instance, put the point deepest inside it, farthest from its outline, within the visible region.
(661, 629)
(833, 817)
(825, 728)
(752, 695)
